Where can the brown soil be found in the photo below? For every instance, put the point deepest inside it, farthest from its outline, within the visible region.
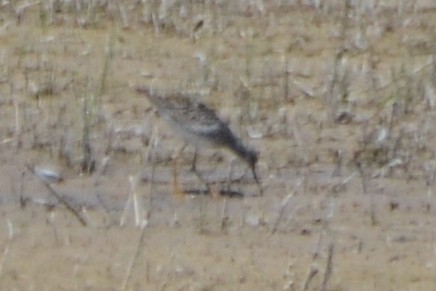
(339, 102)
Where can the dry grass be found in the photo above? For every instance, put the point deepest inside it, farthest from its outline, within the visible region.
(338, 96)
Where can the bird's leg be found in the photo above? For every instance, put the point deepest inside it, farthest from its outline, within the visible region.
(229, 177)
(203, 181)
(256, 179)
(197, 173)
(176, 187)
(194, 162)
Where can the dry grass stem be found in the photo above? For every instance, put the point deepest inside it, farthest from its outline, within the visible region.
(59, 197)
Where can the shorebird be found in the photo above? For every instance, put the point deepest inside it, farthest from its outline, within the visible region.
(199, 125)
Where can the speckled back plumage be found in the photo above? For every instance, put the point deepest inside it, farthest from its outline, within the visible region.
(195, 119)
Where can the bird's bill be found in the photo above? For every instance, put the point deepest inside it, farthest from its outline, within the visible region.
(253, 170)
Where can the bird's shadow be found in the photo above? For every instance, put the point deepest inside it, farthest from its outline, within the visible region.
(222, 192)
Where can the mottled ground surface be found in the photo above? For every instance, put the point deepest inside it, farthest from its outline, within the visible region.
(339, 101)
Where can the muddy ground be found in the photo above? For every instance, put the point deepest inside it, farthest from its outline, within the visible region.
(338, 99)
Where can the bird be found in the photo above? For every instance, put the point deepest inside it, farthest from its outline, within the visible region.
(199, 125)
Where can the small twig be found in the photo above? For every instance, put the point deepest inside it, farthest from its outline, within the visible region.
(17, 122)
(124, 16)
(125, 211)
(329, 268)
(59, 197)
(135, 256)
(152, 145)
(339, 161)
(364, 179)
(150, 194)
(318, 246)
(229, 176)
(88, 162)
(23, 200)
(8, 244)
(281, 211)
(341, 185)
(100, 172)
(63, 201)
(224, 215)
(348, 179)
(19, 11)
(304, 89)
(202, 215)
(312, 273)
(283, 206)
(55, 232)
(136, 203)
